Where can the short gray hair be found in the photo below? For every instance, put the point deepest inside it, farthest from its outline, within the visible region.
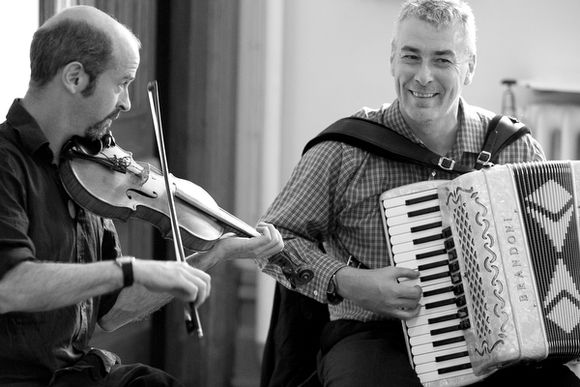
(442, 13)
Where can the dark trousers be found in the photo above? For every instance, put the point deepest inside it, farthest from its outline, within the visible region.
(374, 354)
(89, 373)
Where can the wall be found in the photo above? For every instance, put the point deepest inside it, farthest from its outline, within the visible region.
(18, 21)
(336, 57)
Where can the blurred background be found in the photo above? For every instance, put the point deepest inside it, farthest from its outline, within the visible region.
(244, 84)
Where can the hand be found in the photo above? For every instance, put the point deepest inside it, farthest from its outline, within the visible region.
(379, 291)
(267, 244)
(175, 278)
(230, 246)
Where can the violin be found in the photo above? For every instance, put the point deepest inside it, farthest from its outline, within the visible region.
(105, 179)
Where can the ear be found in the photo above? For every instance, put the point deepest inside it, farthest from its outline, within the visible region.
(74, 77)
(470, 70)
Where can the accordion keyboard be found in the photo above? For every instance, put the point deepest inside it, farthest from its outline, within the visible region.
(435, 338)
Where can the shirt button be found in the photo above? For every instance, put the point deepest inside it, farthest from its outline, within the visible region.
(316, 292)
(434, 173)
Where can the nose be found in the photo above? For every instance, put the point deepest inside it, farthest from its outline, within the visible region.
(424, 74)
(124, 103)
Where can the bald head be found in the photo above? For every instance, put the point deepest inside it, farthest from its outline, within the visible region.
(83, 34)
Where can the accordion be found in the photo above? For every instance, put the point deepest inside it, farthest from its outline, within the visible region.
(499, 261)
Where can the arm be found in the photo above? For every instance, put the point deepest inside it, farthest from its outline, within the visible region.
(144, 298)
(306, 213)
(33, 286)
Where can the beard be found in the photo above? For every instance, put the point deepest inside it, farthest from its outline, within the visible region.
(98, 130)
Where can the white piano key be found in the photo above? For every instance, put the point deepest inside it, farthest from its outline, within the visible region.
(428, 328)
(412, 255)
(431, 356)
(400, 200)
(435, 366)
(437, 297)
(435, 376)
(425, 315)
(406, 227)
(409, 246)
(418, 281)
(427, 338)
(415, 263)
(404, 218)
(414, 236)
(428, 347)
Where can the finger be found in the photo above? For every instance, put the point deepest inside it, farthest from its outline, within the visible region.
(406, 314)
(413, 292)
(263, 229)
(227, 235)
(402, 272)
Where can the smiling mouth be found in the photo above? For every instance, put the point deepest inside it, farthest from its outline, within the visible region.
(422, 95)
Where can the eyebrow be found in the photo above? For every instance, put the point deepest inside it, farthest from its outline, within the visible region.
(437, 53)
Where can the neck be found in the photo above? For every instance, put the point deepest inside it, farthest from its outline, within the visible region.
(438, 137)
(50, 118)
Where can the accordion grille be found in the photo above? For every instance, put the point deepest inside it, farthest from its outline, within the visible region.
(546, 196)
(471, 276)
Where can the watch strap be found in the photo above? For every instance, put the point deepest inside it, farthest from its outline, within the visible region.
(126, 265)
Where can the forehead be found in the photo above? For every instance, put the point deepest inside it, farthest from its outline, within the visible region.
(126, 56)
(419, 35)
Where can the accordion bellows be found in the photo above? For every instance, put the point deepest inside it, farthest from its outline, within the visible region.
(510, 234)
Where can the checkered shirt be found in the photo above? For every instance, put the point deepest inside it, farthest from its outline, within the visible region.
(332, 199)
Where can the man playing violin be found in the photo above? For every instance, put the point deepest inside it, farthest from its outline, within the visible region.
(61, 267)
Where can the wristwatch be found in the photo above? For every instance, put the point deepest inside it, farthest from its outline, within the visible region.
(331, 292)
(126, 265)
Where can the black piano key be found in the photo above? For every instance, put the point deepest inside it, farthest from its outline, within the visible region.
(462, 312)
(447, 317)
(458, 289)
(458, 367)
(451, 356)
(460, 301)
(437, 304)
(449, 244)
(427, 226)
(430, 254)
(447, 232)
(465, 324)
(458, 339)
(452, 254)
(421, 199)
(455, 278)
(454, 266)
(444, 289)
(427, 239)
(432, 265)
(440, 331)
(434, 276)
(423, 211)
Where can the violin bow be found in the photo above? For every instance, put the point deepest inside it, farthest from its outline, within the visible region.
(192, 321)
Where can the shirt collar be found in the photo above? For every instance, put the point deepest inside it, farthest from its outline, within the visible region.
(470, 133)
(32, 137)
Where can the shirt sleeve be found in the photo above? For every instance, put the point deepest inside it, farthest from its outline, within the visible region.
(15, 245)
(305, 212)
(111, 249)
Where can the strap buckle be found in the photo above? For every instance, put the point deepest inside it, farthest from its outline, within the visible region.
(446, 163)
(484, 158)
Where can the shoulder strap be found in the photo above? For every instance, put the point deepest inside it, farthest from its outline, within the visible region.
(383, 141)
(501, 132)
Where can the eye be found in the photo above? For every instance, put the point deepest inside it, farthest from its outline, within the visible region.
(410, 58)
(443, 61)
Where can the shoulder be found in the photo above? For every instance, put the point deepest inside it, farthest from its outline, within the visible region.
(373, 114)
